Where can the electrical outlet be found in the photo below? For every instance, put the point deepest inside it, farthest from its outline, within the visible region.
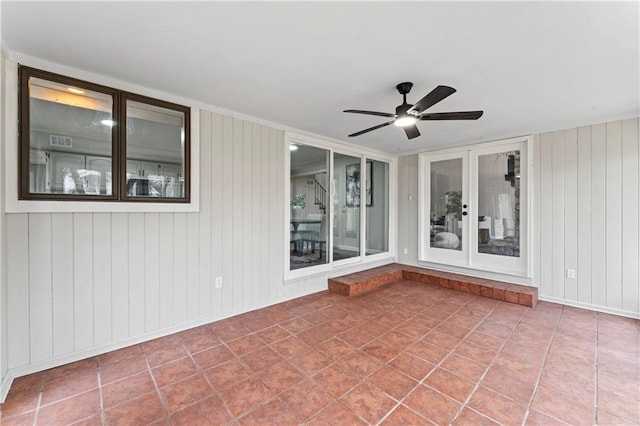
(405, 251)
(571, 273)
(218, 282)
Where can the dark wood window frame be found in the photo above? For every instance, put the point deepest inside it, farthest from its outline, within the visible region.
(118, 140)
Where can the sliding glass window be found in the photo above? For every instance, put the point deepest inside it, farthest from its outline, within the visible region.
(346, 206)
(309, 202)
(377, 213)
(339, 207)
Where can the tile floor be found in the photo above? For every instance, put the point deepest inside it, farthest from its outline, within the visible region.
(403, 354)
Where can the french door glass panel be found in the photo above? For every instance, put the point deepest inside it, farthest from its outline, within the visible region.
(499, 204)
(499, 209)
(445, 192)
(377, 204)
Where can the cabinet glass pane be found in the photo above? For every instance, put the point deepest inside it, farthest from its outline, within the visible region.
(309, 203)
(446, 204)
(377, 202)
(155, 151)
(70, 130)
(499, 203)
(346, 206)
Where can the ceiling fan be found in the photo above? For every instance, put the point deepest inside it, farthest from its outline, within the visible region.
(407, 115)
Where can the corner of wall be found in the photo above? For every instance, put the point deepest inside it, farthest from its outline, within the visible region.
(5, 378)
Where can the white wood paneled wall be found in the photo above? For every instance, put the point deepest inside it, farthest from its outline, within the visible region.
(408, 209)
(588, 217)
(83, 283)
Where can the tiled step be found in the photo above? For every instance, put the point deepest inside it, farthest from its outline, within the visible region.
(361, 282)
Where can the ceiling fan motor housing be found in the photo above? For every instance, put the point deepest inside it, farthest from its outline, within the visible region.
(401, 110)
(405, 87)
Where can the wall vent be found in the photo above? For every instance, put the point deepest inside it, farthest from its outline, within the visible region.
(56, 140)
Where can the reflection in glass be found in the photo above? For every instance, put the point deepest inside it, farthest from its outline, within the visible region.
(377, 202)
(68, 128)
(309, 201)
(499, 204)
(446, 204)
(155, 151)
(346, 206)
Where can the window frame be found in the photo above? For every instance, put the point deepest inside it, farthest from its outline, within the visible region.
(293, 275)
(118, 141)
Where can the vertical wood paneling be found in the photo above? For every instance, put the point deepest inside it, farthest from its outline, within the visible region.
(413, 208)
(630, 217)
(62, 282)
(557, 223)
(151, 274)
(18, 305)
(40, 313)
(614, 215)
(205, 215)
(102, 278)
(83, 280)
(179, 268)
(227, 214)
(216, 208)
(237, 226)
(254, 200)
(165, 267)
(535, 206)
(136, 273)
(403, 207)
(598, 215)
(546, 213)
(584, 214)
(248, 210)
(119, 276)
(265, 202)
(276, 241)
(193, 266)
(570, 239)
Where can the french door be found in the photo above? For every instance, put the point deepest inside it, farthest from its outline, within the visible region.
(474, 210)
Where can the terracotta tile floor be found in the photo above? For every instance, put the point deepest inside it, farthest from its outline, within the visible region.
(407, 353)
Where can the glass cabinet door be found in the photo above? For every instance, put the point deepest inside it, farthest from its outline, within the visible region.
(445, 191)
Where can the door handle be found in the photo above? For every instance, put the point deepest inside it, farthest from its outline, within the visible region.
(464, 213)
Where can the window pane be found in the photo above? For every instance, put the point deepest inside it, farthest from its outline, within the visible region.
(377, 202)
(70, 139)
(499, 203)
(346, 206)
(309, 206)
(155, 150)
(446, 204)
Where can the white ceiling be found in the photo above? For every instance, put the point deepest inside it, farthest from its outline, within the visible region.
(532, 67)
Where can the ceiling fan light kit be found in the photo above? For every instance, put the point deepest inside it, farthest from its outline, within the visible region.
(407, 115)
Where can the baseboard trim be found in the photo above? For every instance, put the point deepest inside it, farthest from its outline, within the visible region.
(597, 308)
(5, 385)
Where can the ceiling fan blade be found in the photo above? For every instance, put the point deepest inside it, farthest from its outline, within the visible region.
(435, 96)
(380, 114)
(370, 129)
(412, 131)
(459, 115)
